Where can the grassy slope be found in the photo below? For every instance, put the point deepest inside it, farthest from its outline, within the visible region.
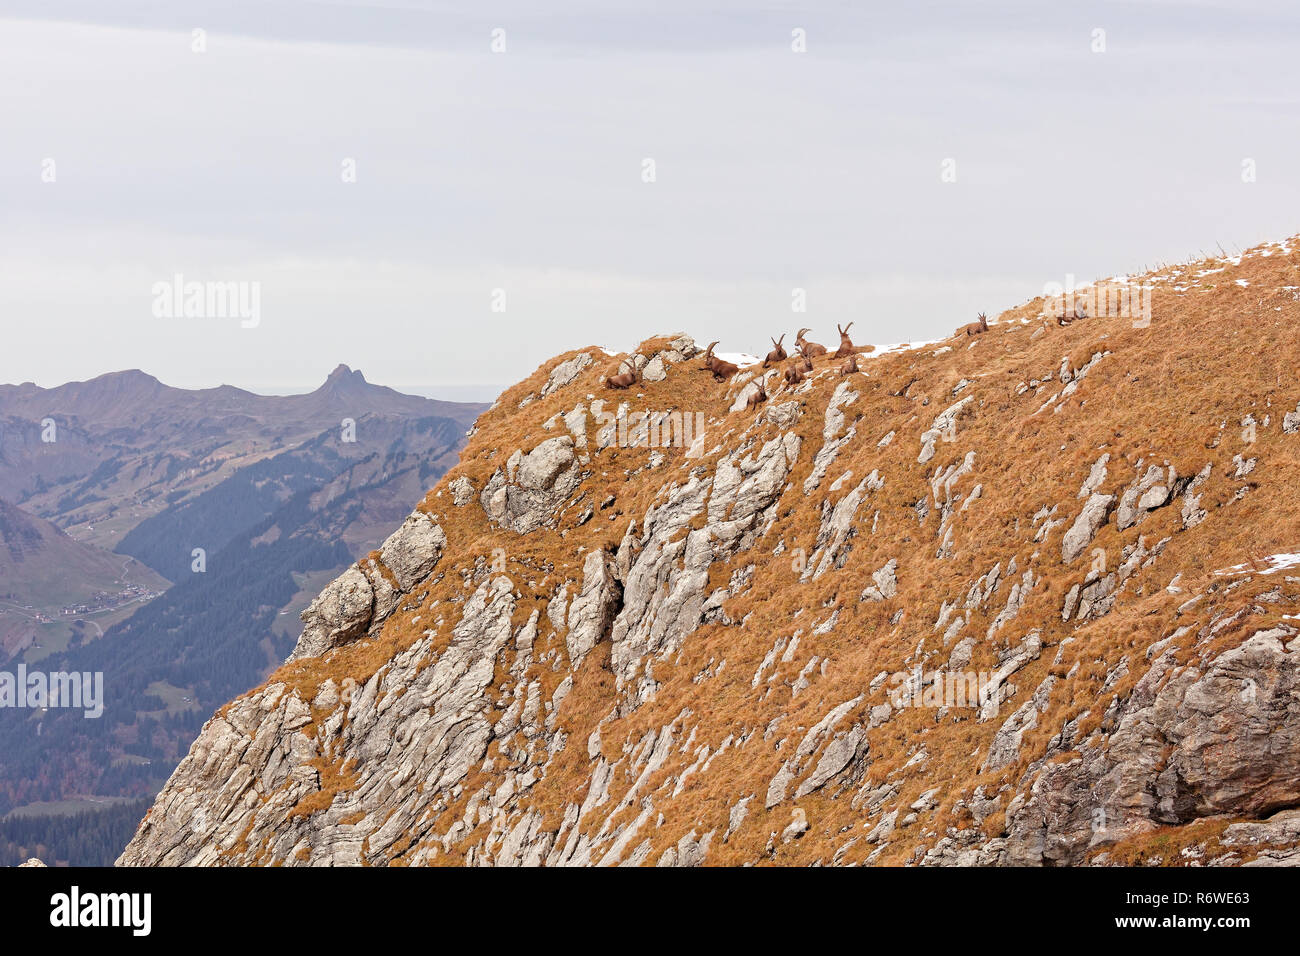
(1174, 392)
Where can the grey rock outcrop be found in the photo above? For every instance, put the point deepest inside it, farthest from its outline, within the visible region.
(1085, 527)
(525, 494)
(664, 589)
(834, 435)
(1291, 421)
(252, 769)
(593, 609)
(462, 491)
(1144, 495)
(886, 583)
(413, 549)
(1188, 743)
(566, 372)
(943, 427)
(339, 614)
(362, 596)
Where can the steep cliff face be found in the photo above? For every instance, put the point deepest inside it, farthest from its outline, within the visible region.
(1023, 596)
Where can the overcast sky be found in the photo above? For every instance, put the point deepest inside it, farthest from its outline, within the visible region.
(525, 171)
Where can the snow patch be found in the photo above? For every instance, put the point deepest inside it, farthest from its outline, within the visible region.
(1274, 563)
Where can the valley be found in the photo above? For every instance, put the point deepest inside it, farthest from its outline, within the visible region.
(100, 538)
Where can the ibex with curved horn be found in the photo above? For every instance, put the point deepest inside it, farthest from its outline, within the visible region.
(756, 398)
(721, 369)
(975, 328)
(778, 354)
(622, 379)
(847, 347)
(809, 349)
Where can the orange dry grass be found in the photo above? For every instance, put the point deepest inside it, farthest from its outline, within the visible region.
(1174, 392)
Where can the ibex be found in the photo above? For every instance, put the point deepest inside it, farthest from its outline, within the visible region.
(809, 349)
(850, 366)
(622, 379)
(794, 374)
(975, 328)
(758, 397)
(846, 344)
(1080, 312)
(777, 354)
(721, 369)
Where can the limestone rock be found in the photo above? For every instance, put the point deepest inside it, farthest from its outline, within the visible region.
(525, 495)
(462, 491)
(1188, 743)
(413, 549)
(1085, 527)
(566, 372)
(339, 614)
(594, 608)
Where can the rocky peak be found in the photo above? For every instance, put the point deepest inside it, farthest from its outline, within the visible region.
(343, 378)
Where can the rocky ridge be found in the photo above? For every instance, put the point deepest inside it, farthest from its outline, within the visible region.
(1017, 598)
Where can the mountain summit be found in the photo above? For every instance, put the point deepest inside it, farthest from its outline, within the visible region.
(1029, 595)
(343, 378)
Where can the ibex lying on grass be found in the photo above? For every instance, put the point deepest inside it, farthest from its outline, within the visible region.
(850, 366)
(809, 349)
(975, 328)
(777, 354)
(794, 373)
(622, 379)
(757, 398)
(846, 344)
(721, 369)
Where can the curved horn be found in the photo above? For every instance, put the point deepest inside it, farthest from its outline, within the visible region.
(847, 327)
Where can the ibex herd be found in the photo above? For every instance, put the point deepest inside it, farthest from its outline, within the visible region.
(796, 369)
(981, 325)
(801, 366)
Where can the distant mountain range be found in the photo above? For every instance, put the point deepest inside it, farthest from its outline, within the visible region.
(99, 457)
(187, 529)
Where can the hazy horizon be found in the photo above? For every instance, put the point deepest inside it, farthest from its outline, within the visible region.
(473, 392)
